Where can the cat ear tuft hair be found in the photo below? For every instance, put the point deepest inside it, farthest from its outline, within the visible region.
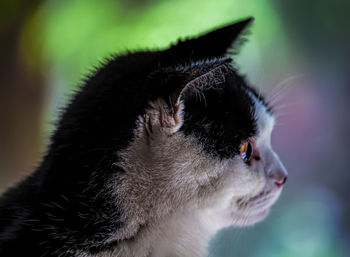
(161, 117)
(215, 43)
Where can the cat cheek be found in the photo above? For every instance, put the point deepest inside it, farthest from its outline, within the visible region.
(256, 182)
(243, 180)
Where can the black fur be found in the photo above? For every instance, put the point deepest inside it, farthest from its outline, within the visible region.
(62, 208)
(223, 119)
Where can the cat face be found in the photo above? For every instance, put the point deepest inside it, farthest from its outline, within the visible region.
(251, 187)
(228, 118)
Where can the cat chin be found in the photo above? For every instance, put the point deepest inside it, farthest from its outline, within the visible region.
(249, 216)
(248, 219)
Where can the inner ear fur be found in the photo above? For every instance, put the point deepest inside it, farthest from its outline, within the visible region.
(164, 115)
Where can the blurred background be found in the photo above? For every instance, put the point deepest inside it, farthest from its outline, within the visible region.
(298, 54)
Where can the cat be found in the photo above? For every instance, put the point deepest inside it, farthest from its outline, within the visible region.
(155, 153)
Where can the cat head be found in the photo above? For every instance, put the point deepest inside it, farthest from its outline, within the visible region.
(171, 130)
(204, 138)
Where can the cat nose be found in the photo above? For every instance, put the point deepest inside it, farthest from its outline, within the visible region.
(279, 176)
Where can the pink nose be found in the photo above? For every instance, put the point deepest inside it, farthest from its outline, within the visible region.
(279, 176)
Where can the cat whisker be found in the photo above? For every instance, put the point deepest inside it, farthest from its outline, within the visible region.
(285, 109)
(279, 91)
(286, 83)
(280, 114)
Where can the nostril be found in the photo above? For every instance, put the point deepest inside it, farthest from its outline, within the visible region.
(280, 182)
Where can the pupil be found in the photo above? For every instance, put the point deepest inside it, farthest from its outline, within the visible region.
(249, 151)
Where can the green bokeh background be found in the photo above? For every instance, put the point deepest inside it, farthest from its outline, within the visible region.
(298, 50)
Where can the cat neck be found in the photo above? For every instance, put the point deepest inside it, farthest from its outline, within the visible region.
(185, 233)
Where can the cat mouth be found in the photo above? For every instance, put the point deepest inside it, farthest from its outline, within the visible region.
(254, 209)
(260, 199)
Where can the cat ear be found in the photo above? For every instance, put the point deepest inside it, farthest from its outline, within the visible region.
(206, 78)
(213, 44)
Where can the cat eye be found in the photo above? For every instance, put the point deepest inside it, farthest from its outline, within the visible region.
(246, 151)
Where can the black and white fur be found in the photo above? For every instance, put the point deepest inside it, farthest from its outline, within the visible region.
(145, 159)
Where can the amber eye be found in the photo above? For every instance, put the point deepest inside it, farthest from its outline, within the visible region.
(246, 151)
